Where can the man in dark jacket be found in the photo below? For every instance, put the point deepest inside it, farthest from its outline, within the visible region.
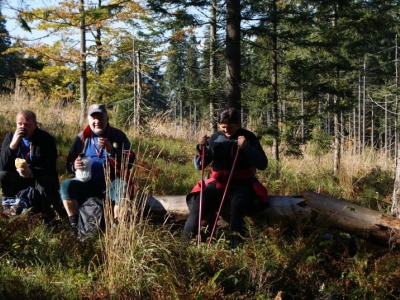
(97, 145)
(38, 150)
(235, 150)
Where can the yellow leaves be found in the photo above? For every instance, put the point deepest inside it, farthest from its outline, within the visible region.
(179, 35)
(50, 82)
(132, 10)
(62, 58)
(182, 33)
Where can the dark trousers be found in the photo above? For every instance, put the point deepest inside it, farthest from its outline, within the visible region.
(47, 186)
(240, 197)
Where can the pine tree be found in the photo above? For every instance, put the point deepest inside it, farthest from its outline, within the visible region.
(6, 72)
(174, 74)
(194, 85)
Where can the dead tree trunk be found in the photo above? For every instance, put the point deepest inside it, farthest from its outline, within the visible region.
(309, 208)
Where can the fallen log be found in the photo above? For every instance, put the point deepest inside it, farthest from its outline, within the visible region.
(308, 208)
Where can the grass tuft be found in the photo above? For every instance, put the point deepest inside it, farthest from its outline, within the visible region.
(144, 259)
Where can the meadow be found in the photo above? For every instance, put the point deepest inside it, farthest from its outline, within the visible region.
(143, 259)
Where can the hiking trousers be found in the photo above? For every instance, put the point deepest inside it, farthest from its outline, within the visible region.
(240, 197)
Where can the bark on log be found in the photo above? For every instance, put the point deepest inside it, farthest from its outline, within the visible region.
(308, 208)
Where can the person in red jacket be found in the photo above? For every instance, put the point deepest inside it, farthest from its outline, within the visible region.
(243, 189)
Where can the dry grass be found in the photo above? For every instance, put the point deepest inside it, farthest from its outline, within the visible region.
(63, 121)
(163, 125)
(139, 260)
(51, 117)
(352, 167)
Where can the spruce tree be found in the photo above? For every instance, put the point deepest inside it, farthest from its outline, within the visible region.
(6, 72)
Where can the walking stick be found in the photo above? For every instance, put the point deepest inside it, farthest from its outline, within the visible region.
(223, 197)
(203, 151)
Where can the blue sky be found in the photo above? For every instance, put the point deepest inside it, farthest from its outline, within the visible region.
(15, 30)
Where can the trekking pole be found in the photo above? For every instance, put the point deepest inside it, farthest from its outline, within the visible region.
(223, 197)
(203, 151)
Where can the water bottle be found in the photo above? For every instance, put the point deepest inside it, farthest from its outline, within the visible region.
(85, 172)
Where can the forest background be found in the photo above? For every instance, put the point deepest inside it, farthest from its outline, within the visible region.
(316, 80)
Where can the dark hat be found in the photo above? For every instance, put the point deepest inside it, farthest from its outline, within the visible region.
(96, 108)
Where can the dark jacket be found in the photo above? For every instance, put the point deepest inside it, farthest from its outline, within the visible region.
(221, 152)
(43, 152)
(119, 141)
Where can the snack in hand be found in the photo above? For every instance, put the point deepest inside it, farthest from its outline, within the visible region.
(20, 163)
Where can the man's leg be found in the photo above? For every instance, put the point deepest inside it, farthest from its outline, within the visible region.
(69, 190)
(72, 208)
(11, 183)
(241, 197)
(211, 200)
(74, 192)
(48, 188)
(192, 220)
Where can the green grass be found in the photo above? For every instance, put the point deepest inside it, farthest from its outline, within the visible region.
(141, 259)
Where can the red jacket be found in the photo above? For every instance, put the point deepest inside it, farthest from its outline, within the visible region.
(221, 178)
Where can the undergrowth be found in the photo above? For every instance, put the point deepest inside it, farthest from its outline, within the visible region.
(144, 259)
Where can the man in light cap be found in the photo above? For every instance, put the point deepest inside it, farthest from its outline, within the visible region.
(99, 143)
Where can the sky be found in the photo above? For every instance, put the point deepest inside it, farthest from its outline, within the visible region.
(14, 28)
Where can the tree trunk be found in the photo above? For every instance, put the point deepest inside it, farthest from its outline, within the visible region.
(137, 108)
(99, 51)
(82, 65)
(308, 209)
(396, 188)
(275, 115)
(233, 68)
(337, 144)
(213, 64)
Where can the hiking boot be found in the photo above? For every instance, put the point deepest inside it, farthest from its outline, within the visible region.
(74, 227)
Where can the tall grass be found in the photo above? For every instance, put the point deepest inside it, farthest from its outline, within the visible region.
(143, 259)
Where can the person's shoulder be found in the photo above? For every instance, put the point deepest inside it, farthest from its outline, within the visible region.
(43, 133)
(117, 131)
(9, 134)
(80, 134)
(8, 137)
(247, 133)
(216, 134)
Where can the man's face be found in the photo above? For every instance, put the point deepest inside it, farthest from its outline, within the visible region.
(98, 123)
(27, 123)
(228, 129)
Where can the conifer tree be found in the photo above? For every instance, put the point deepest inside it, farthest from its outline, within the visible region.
(73, 18)
(6, 72)
(193, 82)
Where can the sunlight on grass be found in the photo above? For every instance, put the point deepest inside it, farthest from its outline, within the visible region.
(143, 258)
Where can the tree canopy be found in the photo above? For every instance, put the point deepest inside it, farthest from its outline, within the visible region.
(293, 67)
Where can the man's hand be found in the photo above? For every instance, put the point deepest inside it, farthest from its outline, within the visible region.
(78, 163)
(105, 144)
(242, 142)
(25, 172)
(19, 133)
(203, 141)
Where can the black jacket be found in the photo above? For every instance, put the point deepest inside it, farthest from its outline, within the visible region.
(221, 151)
(43, 150)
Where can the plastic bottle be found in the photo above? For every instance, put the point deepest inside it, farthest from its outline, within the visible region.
(84, 173)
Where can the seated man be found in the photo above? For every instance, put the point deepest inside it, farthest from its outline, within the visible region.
(98, 143)
(37, 151)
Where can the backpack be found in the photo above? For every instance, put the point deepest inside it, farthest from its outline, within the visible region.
(90, 218)
(31, 197)
(28, 198)
(12, 206)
